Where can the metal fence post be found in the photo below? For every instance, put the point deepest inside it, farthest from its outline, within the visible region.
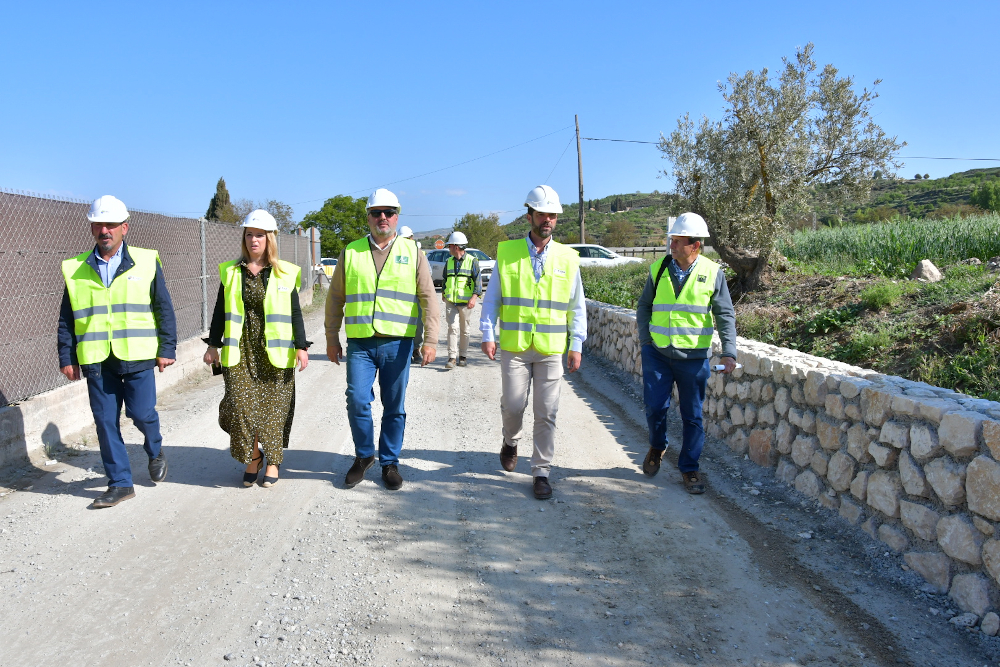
(204, 277)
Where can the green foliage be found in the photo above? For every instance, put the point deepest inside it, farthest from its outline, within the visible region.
(987, 196)
(483, 231)
(826, 320)
(620, 234)
(758, 324)
(618, 285)
(974, 370)
(281, 211)
(342, 219)
(221, 208)
(884, 294)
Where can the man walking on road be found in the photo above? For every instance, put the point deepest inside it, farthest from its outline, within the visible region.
(538, 300)
(462, 286)
(116, 324)
(374, 293)
(674, 318)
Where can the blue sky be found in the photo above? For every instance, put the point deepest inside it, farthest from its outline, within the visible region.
(300, 101)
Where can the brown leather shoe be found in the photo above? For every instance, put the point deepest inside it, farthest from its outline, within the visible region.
(693, 483)
(357, 471)
(508, 457)
(651, 465)
(542, 489)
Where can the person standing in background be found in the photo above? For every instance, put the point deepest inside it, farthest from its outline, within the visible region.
(462, 286)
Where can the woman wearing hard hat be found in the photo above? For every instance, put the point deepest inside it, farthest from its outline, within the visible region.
(257, 338)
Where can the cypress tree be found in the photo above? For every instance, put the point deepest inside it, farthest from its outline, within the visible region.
(221, 208)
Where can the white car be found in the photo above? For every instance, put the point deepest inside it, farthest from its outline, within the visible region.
(437, 259)
(595, 255)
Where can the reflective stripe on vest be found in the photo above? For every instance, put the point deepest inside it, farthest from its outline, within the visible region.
(279, 336)
(116, 319)
(535, 314)
(685, 320)
(458, 283)
(386, 302)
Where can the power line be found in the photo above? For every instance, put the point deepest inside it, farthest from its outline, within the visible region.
(559, 160)
(625, 141)
(410, 178)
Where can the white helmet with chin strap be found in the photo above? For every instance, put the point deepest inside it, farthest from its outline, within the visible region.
(689, 224)
(544, 200)
(457, 238)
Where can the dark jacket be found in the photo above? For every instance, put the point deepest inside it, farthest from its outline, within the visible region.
(218, 327)
(163, 313)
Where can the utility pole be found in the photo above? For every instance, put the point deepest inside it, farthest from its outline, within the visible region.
(579, 163)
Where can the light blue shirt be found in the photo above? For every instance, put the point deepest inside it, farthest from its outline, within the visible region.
(108, 269)
(577, 304)
(679, 273)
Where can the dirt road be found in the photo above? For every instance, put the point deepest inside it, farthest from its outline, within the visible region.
(460, 567)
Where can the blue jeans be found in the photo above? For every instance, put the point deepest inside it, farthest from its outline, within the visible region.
(108, 391)
(389, 360)
(658, 377)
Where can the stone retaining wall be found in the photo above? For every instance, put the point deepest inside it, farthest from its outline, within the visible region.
(916, 466)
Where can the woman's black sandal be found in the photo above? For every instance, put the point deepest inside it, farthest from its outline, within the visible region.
(270, 481)
(250, 478)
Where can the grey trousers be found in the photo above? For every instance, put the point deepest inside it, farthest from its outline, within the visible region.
(459, 317)
(520, 374)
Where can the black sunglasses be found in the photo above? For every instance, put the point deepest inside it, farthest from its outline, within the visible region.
(378, 214)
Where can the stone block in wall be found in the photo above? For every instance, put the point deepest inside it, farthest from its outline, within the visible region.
(991, 558)
(820, 462)
(755, 388)
(738, 441)
(906, 406)
(840, 471)
(876, 405)
(829, 434)
(786, 471)
(983, 526)
(749, 415)
(803, 449)
(884, 491)
(726, 426)
(921, 520)
(859, 486)
(798, 397)
(885, 457)
(850, 511)
(924, 442)
(834, 406)
(784, 436)
(795, 417)
(960, 432)
(743, 391)
(731, 388)
(982, 487)
(852, 412)
(767, 393)
(736, 415)
(807, 483)
(833, 381)
(912, 476)
(934, 567)
(814, 388)
(934, 409)
(947, 478)
(714, 430)
(851, 387)
(767, 415)
(857, 443)
(808, 424)
(870, 526)
(991, 437)
(782, 401)
(766, 367)
(893, 537)
(971, 592)
(751, 362)
(720, 408)
(710, 405)
(896, 434)
(960, 539)
(830, 499)
(762, 451)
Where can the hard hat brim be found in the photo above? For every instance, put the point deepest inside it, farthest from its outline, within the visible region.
(115, 219)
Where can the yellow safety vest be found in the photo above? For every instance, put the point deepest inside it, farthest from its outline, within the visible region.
(684, 320)
(384, 303)
(116, 319)
(458, 287)
(535, 314)
(278, 334)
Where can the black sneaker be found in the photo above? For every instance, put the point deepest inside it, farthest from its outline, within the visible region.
(651, 465)
(113, 496)
(390, 475)
(158, 467)
(358, 470)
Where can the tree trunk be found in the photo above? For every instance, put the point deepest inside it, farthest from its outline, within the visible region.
(750, 267)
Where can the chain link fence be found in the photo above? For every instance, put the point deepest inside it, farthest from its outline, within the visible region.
(37, 233)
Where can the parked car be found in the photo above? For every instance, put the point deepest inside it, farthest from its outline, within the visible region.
(327, 265)
(595, 255)
(437, 259)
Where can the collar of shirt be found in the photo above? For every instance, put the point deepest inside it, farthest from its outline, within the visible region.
(107, 269)
(537, 257)
(372, 241)
(682, 274)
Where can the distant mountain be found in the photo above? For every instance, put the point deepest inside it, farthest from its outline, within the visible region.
(444, 231)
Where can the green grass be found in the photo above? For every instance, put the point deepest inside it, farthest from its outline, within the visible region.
(885, 293)
(617, 285)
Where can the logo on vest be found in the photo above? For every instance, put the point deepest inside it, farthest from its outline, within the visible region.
(401, 259)
(559, 273)
(284, 289)
(702, 278)
(133, 278)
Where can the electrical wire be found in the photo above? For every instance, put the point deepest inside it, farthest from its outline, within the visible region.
(559, 160)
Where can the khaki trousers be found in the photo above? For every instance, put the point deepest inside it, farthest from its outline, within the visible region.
(459, 317)
(520, 373)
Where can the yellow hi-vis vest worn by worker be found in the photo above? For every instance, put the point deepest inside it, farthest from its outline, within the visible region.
(116, 319)
(278, 334)
(535, 314)
(458, 286)
(684, 320)
(383, 303)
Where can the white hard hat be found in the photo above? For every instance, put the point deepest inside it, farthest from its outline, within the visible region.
(457, 238)
(382, 197)
(405, 232)
(260, 219)
(544, 200)
(107, 209)
(689, 224)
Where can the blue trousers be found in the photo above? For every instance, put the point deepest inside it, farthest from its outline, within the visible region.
(137, 391)
(659, 374)
(387, 359)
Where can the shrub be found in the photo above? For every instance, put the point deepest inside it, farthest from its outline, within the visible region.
(884, 294)
(617, 285)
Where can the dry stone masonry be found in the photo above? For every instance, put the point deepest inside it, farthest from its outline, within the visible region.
(915, 466)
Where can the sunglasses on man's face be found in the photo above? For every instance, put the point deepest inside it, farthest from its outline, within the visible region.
(378, 213)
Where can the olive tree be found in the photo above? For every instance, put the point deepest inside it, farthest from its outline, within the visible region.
(751, 172)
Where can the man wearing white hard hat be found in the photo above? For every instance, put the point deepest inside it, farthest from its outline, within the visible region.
(462, 286)
(418, 338)
(539, 304)
(685, 301)
(374, 295)
(116, 324)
